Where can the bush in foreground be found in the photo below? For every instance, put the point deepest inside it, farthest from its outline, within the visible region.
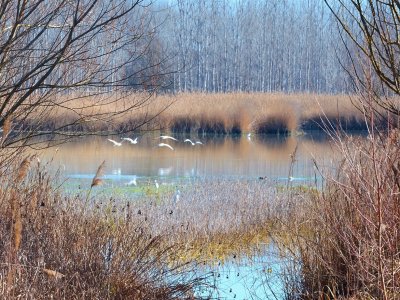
(54, 246)
(347, 238)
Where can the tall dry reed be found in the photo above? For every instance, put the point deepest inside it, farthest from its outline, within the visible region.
(346, 237)
(227, 113)
(50, 249)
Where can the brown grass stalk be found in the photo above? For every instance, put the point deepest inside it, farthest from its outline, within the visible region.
(16, 220)
(67, 254)
(351, 246)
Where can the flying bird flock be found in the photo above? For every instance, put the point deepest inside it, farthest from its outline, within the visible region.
(163, 141)
(160, 145)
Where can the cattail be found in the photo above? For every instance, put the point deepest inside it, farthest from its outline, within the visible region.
(97, 178)
(6, 127)
(17, 228)
(53, 274)
(23, 169)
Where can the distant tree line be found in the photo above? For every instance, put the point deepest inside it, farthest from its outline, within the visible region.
(250, 45)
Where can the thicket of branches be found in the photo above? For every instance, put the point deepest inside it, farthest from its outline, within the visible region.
(371, 29)
(55, 55)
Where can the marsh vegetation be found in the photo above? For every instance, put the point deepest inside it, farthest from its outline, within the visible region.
(232, 114)
(137, 214)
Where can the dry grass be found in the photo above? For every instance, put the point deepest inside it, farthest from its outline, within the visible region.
(346, 238)
(51, 247)
(230, 113)
(87, 247)
(212, 225)
(256, 112)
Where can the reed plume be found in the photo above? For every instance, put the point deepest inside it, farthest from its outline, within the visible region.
(54, 274)
(6, 129)
(97, 177)
(23, 169)
(97, 180)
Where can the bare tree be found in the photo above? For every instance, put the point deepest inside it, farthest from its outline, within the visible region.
(70, 57)
(372, 28)
(253, 45)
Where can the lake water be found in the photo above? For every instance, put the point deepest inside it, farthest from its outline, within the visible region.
(218, 157)
(229, 158)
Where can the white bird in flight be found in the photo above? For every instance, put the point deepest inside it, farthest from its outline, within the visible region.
(117, 144)
(193, 143)
(130, 140)
(165, 145)
(189, 141)
(249, 136)
(167, 137)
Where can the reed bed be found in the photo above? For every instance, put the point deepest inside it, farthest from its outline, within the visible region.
(346, 238)
(213, 224)
(228, 113)
(86, 246)
(53, 246)
(251, 112)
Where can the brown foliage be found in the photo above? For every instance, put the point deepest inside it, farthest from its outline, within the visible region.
(350, 247)
(51, 246)
(229, 113)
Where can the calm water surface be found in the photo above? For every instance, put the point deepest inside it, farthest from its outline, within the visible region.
(218, 157)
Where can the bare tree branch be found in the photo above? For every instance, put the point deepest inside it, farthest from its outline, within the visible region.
(53, 54)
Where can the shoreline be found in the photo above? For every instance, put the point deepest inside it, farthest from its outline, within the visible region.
(231, 114)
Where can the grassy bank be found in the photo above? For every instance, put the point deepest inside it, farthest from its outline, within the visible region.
(231, 113)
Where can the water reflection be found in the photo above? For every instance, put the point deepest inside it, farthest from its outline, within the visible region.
(236, 157)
